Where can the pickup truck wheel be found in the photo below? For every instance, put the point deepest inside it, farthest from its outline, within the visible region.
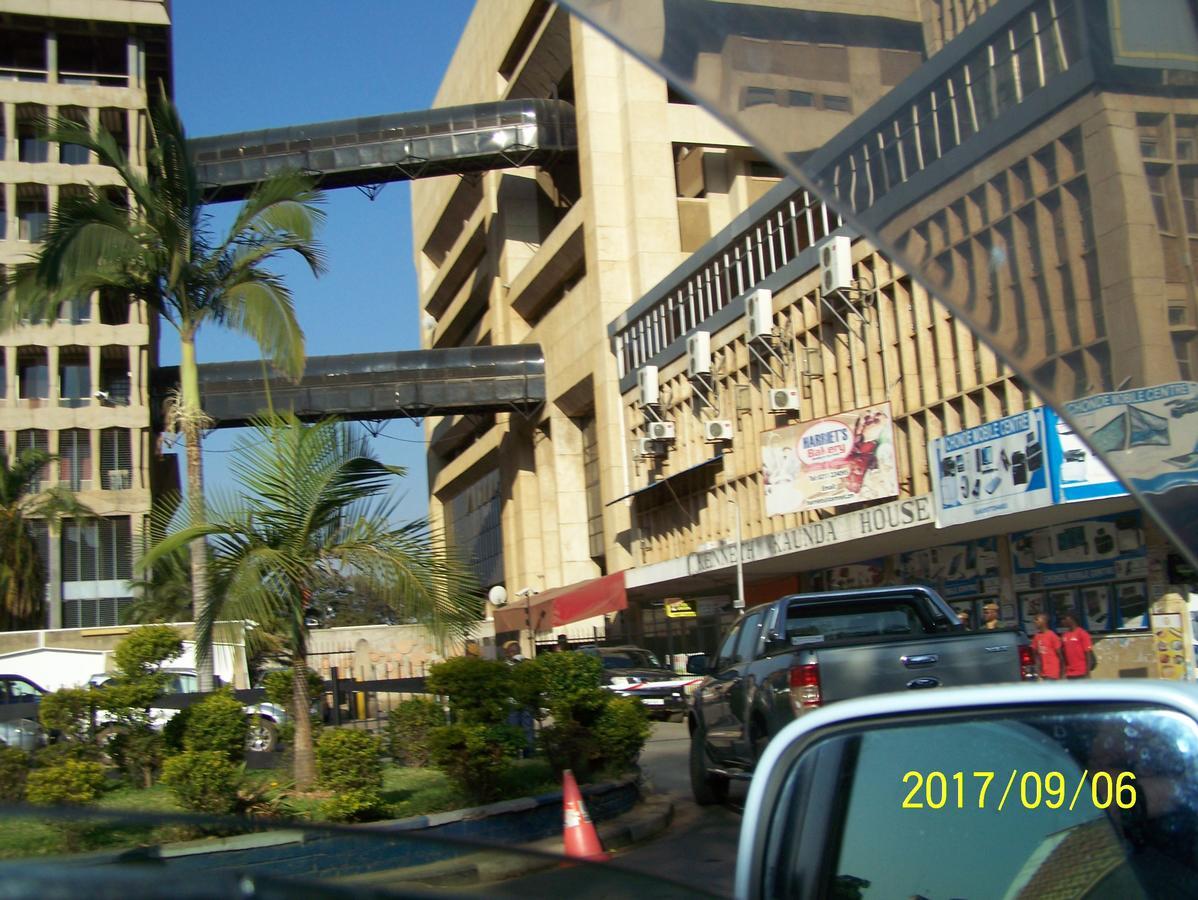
(707, 789)
(263, 735)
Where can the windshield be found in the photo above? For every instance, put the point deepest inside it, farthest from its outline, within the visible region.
(628, 659)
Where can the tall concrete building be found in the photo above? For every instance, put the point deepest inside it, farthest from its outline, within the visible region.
(550, 256)
(78, 387)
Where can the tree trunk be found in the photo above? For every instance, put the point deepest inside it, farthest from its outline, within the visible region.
(190, 412)
(305, 755)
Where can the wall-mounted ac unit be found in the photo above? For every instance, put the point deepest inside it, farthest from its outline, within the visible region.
(717, 430)
(660, 431)
(784, 399)
(119, 480)
(646, 382)
(698, 354)
(759, 314)
(836, 264)
(647, 447)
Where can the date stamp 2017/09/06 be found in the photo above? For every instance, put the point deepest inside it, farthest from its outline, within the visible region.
(1026, 790)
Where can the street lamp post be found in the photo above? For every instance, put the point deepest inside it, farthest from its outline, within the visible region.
(739, 602)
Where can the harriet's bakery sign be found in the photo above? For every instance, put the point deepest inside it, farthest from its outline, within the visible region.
(893, 516)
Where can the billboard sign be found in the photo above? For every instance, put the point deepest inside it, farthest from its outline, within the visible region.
(1079, 473)
(992, 469)
(1150, 433)
(847, 458)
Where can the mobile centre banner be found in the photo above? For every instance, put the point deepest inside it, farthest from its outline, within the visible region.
(993, 469)
(829, 462)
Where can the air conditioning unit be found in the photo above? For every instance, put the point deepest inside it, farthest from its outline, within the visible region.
(698, 354)
(646, 382)
(647, 447)
(717, 430)
(119, 480)
(784, 399)
(660, 431)
(836, 264)
(759, 314)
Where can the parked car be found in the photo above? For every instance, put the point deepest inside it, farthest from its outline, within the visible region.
(18, 698)
(265, 718)
(784, 659)
(635, 672)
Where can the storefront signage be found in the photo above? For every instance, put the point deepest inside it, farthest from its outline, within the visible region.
(1150, 435)
(887, 517)
(1077, 470)
(680, 609)
(829, 462)
(993, 469)
(956, 571)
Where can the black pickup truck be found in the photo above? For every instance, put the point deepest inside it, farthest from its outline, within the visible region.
(807, 650)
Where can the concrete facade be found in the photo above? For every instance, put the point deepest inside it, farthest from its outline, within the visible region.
(79, 387)
(552, 256)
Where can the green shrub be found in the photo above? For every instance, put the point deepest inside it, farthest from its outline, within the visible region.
(69, 711)
(14, 770)
(141, 653)
(479, 690)
(621, 732)
(218, 722)
(60, 751)
(175, 730)
(349, 760)
(135, 748)
(408, 727)
(569, 745)
(70, 783)
(351, 806)
(203, 780)
(568, 676)
(475, 757)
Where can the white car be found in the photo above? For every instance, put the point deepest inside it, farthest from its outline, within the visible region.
(265, 718)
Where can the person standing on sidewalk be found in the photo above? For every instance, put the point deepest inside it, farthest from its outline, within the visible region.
(1078, 649)
(1047, 647)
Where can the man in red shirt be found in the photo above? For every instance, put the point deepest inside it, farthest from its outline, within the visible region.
(1047, 647)
(1077, 647)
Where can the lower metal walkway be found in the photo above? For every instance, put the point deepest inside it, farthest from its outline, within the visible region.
(407, 384)
(375, 150)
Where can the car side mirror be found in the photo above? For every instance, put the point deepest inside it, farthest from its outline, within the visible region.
(1088, 781)
(697, 665)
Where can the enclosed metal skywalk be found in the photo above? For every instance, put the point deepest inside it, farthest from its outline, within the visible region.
(369, 386)
(375, 150)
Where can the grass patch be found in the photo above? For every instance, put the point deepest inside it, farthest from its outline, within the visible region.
(406, 792)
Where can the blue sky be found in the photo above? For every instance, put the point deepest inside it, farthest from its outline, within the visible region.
(245, 65)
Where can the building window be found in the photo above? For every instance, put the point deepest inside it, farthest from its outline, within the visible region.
(116, 123)
(33, 375)
(74, 377)
(116, 380)
(114, 307)
(475, 529)
(34, 439)
(837, 103)
(590, 471)
(1189, 200)
(757, 96)
(94, 612)
(97, 550)
(33, 212)
(23, 55)
(1156, 189)
(116, 459)
(800, 98)
(75, 310)
(1183, 352)
(75, 459)
(31, 146)
(73, 154)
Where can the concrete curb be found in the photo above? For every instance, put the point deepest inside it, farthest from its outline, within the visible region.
(649, 819)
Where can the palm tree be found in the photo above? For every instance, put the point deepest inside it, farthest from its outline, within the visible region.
(22, 574)
(160, 248)
(311, 503)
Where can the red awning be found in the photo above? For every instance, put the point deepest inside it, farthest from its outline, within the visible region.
(561, 606)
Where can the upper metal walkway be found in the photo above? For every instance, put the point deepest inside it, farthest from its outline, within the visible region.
(370, 386)
(375, 150)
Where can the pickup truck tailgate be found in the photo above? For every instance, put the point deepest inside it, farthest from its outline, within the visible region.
(945, 660)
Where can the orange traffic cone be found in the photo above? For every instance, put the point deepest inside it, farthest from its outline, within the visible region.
(578, 833)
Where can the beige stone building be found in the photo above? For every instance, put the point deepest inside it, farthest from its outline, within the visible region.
(550, 256)
(78, 387)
